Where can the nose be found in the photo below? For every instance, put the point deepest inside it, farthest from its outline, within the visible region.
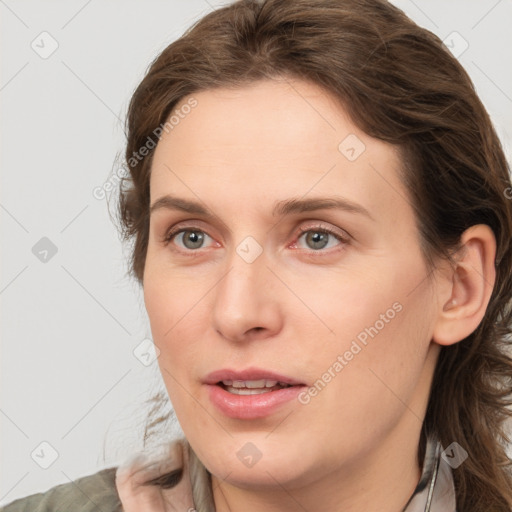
(246, 303)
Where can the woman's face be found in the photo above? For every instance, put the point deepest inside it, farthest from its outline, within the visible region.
(292, 256)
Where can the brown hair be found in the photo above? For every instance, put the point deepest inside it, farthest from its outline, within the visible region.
(401, 85)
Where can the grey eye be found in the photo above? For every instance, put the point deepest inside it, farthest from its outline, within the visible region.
(191, 239)
(316, 239)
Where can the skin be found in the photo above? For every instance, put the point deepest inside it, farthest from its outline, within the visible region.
(295, 309)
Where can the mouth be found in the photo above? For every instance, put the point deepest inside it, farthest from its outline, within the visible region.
(252, 393)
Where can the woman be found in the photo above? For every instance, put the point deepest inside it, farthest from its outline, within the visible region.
(322, 226)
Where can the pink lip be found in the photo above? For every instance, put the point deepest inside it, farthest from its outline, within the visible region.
(249, 407)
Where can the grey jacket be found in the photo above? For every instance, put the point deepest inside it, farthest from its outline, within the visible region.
(97, 492)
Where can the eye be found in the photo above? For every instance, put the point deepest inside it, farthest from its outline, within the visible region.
(190, 239)
(318, 239)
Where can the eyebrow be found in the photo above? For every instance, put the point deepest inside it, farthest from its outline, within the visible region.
(328, 203)
(281, 208)
(175, 203)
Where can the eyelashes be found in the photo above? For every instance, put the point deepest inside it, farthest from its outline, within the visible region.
(189, 238)
(314, 240)
(320, 238)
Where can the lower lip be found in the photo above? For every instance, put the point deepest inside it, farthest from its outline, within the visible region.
(249, 407)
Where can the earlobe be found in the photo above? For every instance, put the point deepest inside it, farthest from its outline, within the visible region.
(463, 304)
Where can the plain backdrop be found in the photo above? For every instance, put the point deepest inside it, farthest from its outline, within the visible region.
(73, 378)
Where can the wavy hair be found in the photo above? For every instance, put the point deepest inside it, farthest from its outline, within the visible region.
(399, 84)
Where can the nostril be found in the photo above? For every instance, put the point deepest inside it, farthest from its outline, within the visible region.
(256, 330)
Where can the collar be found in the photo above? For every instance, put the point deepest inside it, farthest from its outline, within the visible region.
(435, 491)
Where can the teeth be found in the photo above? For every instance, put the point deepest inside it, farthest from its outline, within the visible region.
(253, 387)
(251, 384)
(247, 391)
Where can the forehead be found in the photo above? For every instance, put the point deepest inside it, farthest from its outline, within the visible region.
(271, 138)
(262, 115)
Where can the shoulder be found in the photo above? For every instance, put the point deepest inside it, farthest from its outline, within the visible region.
(91, 493)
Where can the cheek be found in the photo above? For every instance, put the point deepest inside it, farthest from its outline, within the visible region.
(173, 312)
(375, 336)
(174, 308)
(170, 297)
(345, 305)
(179, 306)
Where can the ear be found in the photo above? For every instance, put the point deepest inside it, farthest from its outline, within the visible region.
(467, 287)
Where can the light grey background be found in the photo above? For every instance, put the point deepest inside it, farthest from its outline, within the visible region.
(70, 324)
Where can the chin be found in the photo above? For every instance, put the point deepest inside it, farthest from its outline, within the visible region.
(265, 477)
(259, 469)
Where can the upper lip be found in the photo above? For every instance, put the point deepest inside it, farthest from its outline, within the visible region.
(249, 374)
